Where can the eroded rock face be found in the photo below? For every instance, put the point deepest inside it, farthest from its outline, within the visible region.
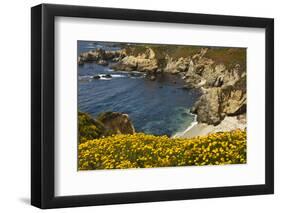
(217, 102)
(208, 107)
(174, 66)
(234, 97)
(145, 62)
(214, 75)
(236, 103)
(224, 88)
(116, 123)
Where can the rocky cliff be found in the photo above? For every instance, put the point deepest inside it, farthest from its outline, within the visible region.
(223, 87)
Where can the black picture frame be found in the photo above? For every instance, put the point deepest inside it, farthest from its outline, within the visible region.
(43, 114)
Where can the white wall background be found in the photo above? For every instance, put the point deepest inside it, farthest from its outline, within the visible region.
(15, 105)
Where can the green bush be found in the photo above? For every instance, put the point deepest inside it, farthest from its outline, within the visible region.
(89, 128)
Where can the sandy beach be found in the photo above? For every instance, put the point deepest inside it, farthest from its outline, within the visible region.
(201, 129)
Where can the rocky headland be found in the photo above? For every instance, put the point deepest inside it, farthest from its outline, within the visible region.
(106, 124)
(220, 74)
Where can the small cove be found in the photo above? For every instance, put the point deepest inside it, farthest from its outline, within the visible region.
(159, 107)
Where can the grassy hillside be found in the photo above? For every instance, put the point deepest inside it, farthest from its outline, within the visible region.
(226, 55)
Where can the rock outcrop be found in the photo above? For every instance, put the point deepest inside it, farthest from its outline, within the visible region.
(144, 62)
(116, 123)
(175, 66)
(217, 102)
(223, 87)
(106, 124)
(100, 56)
(208, 107)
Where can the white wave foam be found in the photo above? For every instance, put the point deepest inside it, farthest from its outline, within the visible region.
(193, 123)
(103, 78)
(118, 76)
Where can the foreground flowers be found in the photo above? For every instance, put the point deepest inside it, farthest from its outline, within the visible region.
(147, 151)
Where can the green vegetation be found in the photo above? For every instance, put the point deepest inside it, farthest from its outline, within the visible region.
(228, 56)
(145, 151)
(89, 128)
(174, 51)
(135, 49)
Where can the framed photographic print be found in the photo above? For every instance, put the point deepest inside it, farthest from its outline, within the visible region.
(138, 106)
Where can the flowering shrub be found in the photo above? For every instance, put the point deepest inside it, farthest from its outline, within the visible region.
(145, 151)
(89, 128)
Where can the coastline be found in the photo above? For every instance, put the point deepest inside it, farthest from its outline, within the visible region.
(182, 133)
(219, 74)
(229, 123)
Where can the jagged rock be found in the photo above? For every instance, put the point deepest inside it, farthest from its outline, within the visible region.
(232, 76)
(217, 102)
(147, 65)
(176, 66)
(116, 123)
(144, 62)
(193, 81)
(207, 107)
(236, 103)
(191, 68)
(234, 97)
(150, 53)
(224, 88)
(200, 55)
(93, 55)
(220, 68)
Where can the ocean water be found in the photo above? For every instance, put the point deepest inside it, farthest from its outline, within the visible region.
(158, 107)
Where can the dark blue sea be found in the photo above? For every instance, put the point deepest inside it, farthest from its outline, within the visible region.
(158, 107)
